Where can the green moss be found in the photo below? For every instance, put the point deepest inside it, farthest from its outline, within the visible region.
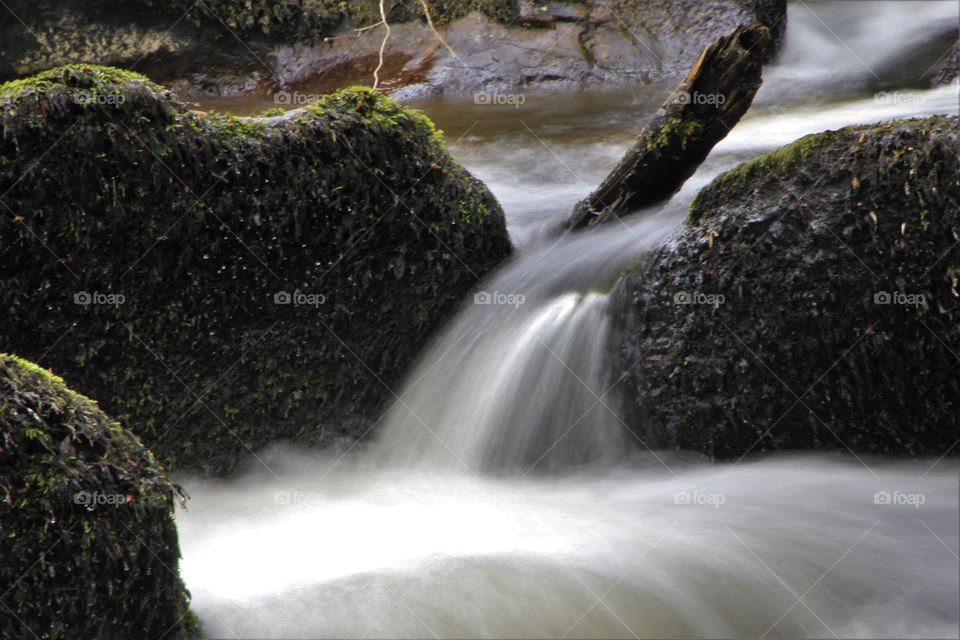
(86, 74)
(199, 220)
(671, 129)
(239, 126)
(39, 374)
(88, 540)
(271, 112)
(781, 160)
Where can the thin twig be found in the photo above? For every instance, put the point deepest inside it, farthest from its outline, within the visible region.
(426, 12)
(383, 45)
(360, 30)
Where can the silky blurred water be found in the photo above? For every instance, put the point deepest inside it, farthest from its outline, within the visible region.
(787, 547)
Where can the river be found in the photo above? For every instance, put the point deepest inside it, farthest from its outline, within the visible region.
(501, 496)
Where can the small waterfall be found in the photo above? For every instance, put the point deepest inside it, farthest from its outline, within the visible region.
(515, 385)
(525, 394)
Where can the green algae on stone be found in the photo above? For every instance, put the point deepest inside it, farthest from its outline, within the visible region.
(87, 534)
(277, 275)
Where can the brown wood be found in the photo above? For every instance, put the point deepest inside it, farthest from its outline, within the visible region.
(697, 115)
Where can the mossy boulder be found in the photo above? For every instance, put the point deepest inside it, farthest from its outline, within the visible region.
(219, 283)
(811, 301)
(87, 534)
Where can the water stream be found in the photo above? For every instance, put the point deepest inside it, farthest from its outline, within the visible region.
(501, 495)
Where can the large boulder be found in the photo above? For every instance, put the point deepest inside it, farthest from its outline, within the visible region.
(238, 47)
(810, 301)
(87, 534)
(219, 283)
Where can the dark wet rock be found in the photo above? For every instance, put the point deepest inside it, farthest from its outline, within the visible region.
(559, 46)
(219, 283)
(947, 69)
(233, 48)
(811, 301)
(87, 534)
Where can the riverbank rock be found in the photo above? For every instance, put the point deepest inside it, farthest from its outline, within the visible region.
(219, 283)
(232, 48)
(811, 301)
(87, 534)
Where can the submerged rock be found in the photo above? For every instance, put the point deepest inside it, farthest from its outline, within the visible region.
(87, 534)
(811, 301)
(219, 283)
(229, 47)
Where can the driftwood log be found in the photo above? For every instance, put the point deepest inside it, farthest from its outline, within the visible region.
(697, 115)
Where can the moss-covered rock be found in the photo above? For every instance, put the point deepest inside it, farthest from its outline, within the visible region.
(811, 301)
(218, 283)
(87, 535)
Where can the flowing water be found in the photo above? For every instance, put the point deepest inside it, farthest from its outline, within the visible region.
(502, 496)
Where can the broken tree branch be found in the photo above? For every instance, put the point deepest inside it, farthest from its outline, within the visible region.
(697, 115)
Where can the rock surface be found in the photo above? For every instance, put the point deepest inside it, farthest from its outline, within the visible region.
(87, 534)
(219, 283)
(948, 70)
(811, 301)
(234, 48)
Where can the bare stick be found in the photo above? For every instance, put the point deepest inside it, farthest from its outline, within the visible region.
(383, 45)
